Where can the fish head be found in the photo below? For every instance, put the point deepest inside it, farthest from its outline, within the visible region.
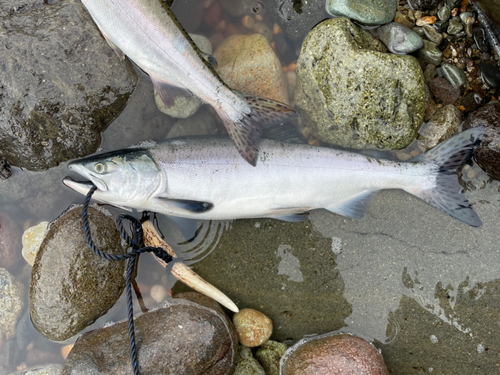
(124, 178)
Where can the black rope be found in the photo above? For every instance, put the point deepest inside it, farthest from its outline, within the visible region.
(137, 245)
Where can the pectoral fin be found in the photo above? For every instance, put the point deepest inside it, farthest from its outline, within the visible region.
(168, 93)
(292, 214)
(117, 50)
(185, 206)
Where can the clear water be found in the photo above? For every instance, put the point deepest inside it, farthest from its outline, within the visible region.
(423, 286)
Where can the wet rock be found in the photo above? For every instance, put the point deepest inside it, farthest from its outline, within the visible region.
(70, 285)
(432, 34)
(487, 154)
(444, 13)
(440, 26)
(472, 101)
(480, 38)
(253, 327)
(366, 12)
(247, 63)
(444, 91)
(269, 355)
(246, 364)
(490, 74)
(423, 4)
(338, 354)
(5, 172)
(429, 72)
(295, 18)
(442, 125)
(185, 106)
(181, 337)
(10, 242)
(201, 123)
(404, 20)
(54, 369)
(32, 239)
(399, 39)
(61, 84)
(430, 109)
(11, 304)
(352, 94)
(238, 8)
(431, 53)
(454, 27)
(454, 75)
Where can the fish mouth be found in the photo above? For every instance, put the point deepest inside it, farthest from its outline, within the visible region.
(81, 187)
(81, 170)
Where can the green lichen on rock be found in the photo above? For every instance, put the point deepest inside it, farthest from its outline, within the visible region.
(351, 93)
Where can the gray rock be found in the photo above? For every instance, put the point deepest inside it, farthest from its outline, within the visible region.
(429, 73)
(10, 242)
(201, 123)
(454, 27)
(444, 13)
(431, 53)
(440, 26)
(454, 75)
(70, 285)
(246, 364)
(465, 16)
(181, 337)
(54, 369)
(432, 34)
(399, 39)
(61, 84)
(423, 4)
(442, 125)
(367, 12)
(11, 304)
(269, 355)
(352, 94)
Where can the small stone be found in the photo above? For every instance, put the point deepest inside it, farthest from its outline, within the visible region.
(430, 110)
(248, 22)
(490, 74)
(442, 125)
(480, 38)
(429, 72)
(469, 29)
(253, 327)
(246, 364)
(431, 53)
(10, 244)
(65, 350)
(440, 26)
(54, 369)
(32, 239)
(444, 91)
(444, 13)
(337, 354)
(366, 12)
(201, 123)
(432, 34)
(454, 27)
(399, 39)
(158, 293)
(428, 20)
(11, 304)
(423, 4)
(269, 355)
(403, 19)
(465, 17)
(454, 75)
(419, 31)
(472, 101)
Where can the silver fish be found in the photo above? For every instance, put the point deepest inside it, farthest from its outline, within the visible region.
(149, 34)
(204, 178)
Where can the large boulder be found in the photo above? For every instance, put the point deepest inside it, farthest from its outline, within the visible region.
(60, 83)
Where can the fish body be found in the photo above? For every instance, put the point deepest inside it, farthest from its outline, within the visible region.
(149, 34)
(204, 178)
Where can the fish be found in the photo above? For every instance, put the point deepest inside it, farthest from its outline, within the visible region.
(203, 178)
(147, 32)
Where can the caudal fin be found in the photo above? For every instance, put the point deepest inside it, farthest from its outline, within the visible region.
(247, 132)
(449, 157)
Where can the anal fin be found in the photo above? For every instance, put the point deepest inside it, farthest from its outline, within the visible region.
(292, 214)
(354, 205)
(168, 93)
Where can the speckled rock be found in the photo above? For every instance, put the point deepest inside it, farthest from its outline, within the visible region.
(429, 73)
(269, 355)
(185, 106)
(432, 34)
(351, 93)
(201, 123)
(442, 125)
(32, 239)
(246, 364)
(71, 286)
(487, 154)
(247, 63)
(253, 327)
(341, 354)
(10, 242)
(454, 75)
(472, 101)
(181, 337)
(11, 304)
(54, 369)
(399, 39)
(444, 91)
(61, 83)
(367, 12)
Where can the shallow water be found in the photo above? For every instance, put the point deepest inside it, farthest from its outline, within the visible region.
(423, 286)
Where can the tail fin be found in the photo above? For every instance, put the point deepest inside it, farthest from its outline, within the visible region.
(449, 157)
(246, 133)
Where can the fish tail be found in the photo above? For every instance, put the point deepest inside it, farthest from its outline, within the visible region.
(247, 131)
(449, 157)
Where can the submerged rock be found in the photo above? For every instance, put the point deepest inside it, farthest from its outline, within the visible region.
(247, 63)
(487, 154)
(181, 337)
(246, 364)
(367, 12)
(61, 84)
(11, 305)
(32, 239)
(269, 355)
(70, 285)
(10, 242)
(54, 369)
(201, 123)
(341, 354)
(351, 93)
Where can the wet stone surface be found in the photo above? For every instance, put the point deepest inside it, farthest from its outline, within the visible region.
(12, 294)
(61, 84)
(10, 242)
(70, 285)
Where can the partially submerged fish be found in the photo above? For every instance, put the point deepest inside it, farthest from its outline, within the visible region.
(204, 178)
(150, 35)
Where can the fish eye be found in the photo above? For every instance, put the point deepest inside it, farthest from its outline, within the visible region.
(100, 167)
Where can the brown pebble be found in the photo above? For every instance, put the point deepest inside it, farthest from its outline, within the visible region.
(428, 20)
(463, 5)
(253, 327)
(290, 68)
(454, 12)
(221, 25)
(259, 17)
(65, 350)
(277, 29)
(248, 22)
